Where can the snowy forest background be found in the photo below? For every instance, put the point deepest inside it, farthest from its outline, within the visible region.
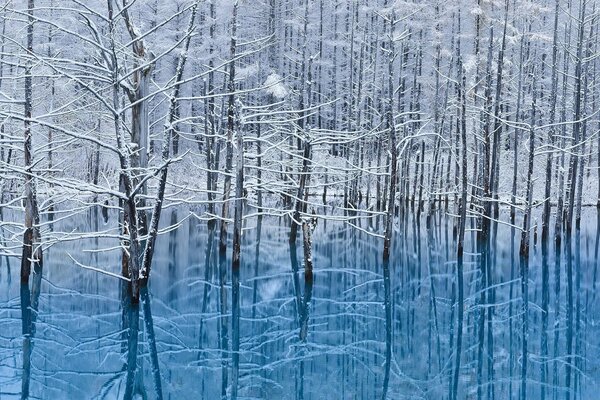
(320, 198)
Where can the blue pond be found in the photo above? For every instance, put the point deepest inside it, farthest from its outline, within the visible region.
(83, 333)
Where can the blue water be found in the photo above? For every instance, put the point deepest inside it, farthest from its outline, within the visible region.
(79, 348)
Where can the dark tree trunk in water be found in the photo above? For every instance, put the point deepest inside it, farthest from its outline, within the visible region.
(524, 248)
(546, 213)
(390, 125)
(225, 215)
(32, 250)
(305, 301)
(573, 168)
(307, 229)
(483, 235)
(461, 233)
(237, 239)
(29, 313)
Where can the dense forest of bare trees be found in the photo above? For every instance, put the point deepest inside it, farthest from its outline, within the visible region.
(442, 137)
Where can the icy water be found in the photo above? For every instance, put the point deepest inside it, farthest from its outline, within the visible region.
(79, 347)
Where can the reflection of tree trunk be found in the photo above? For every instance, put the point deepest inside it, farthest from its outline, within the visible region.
(511, 336)
(133, 317)
(296, 278)
(544, 328)
(29, 312)
(307, 228)
(388, 324)
(577, 333)
(255, 287)
(207, 273)
(124, 288)
(208, 262)
(596, 259)
(148, 322)
(256, 265)
(557, 307)
(569, 333)
(224, 339)
(27, 340)
(431, 244)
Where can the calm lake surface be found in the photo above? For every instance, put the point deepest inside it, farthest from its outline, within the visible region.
(79, 347)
